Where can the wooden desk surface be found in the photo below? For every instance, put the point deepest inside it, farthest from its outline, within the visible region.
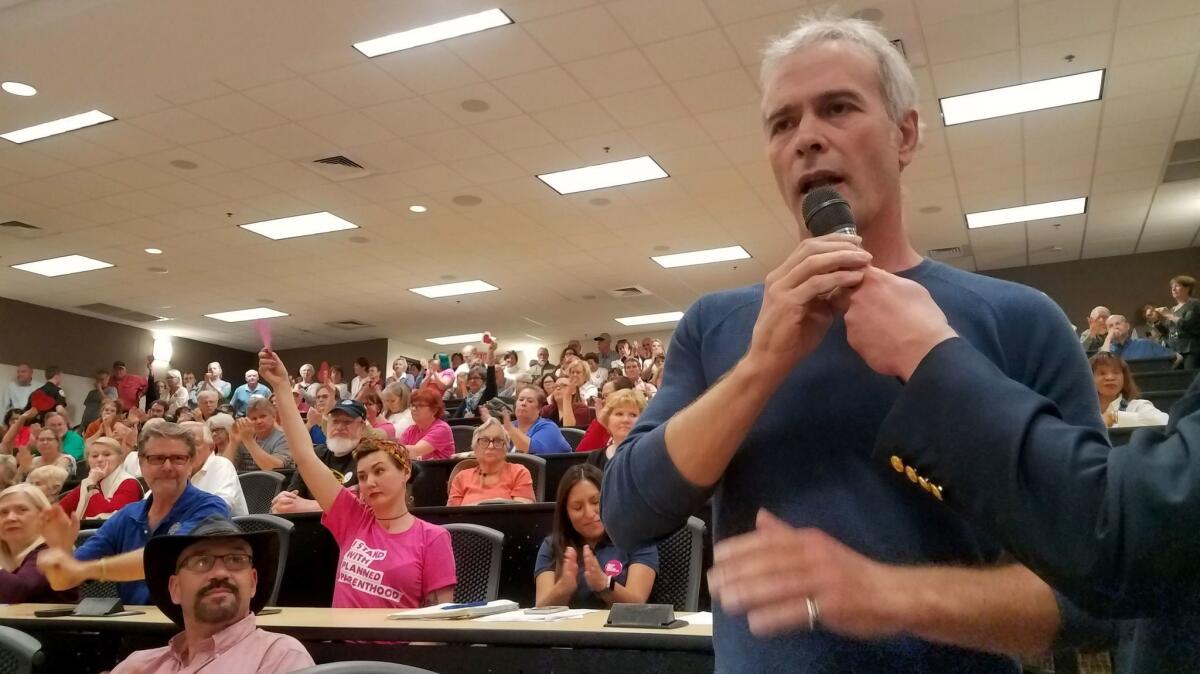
(372, 624)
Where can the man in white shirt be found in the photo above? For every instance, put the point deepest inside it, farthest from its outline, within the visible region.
(17, 395)
(214, 473)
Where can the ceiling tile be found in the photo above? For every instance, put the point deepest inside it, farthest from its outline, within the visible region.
(1147, 11)
(1156, 40)
(937, 11)
(732, 123)
(717, 91)
(542, 90)
(285, 176)
(1142, 106)
(579, 34)
(998, 131)
(576, 121)
(648, 22)
(179, 126)
(606, 147)
(1044, 61)
(292, 141)
(513, 133)
(501, 52)
(134, 173)
(647, 106)
(30, 164)
(236, 113)
(970, 37)
(487, 169)
(437, 178)
(692, 55)
(670, 134)
(381, 188)
(750, 37)
(138, 203)
(733, 11)
(234, 152)
(125, 138)
(102, 212)
(451, 103)
(615, 73)
(451, 145)
(186, 194)
(348, 128)
(545, 159)
(1146, 132)
(1165, 73)
(393, 155)
(1056, 20)
(197, 91)
(410, 117)
(296, 98)
(361, 85)
(428, 68)
(975, 74)
(1125, 180)
(234, 185)
(75, 151)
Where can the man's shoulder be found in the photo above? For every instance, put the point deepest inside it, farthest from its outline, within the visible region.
(193, 498)
(946, 281)
(715, 307)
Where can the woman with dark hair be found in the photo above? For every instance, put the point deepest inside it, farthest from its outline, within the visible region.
(1119, 402)
(549, 384)
(376, 416)
(1184, 322)
(566, 408)
(429, 437)
(577, 565)
(388, 557)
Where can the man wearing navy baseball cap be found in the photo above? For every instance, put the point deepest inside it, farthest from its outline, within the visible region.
(346, 425)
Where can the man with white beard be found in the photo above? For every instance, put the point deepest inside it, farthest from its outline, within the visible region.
(346, 427)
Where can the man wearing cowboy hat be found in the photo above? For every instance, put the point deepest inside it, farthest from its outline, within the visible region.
(208, 582)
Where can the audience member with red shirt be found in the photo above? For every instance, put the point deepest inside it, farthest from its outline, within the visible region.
(107, 487)
(130, 387)
(597, 436)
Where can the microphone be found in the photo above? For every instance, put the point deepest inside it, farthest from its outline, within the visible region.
(826, 212)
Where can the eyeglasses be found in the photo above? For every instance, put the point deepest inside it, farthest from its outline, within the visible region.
(234, 561)
(496, 443)
(420, 406)
(160, 459)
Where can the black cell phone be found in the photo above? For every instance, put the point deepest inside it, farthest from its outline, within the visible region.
(54, 612)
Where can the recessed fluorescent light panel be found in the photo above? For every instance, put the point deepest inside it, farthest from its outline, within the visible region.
(434, 32)
(1028, 97)
(61, 266)
(300, 225)
(90, 118)
(598, 176)
(649, 319)
(1005, 216)
(457, 339)
(701, 257)
(450, 289)
(246, 314)
(18, 89)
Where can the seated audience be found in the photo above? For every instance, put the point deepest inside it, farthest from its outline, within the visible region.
(376, 419)
(70, 441)
(258, 442)
(114, 553)
(323, 400)
(177, 393)
(389, 558)
(542, 366)
(346, 428)
(492, 477)
(1093, 336)
(50, 453)
(102, 392)
(183, 414)
(429, 437)
(211, 583)
(597, 374)
(566, 408)
(549, 384)
(243, 394)
(396, 398)
(49, 479)
(8, 471)
(107, 487)
(1121, 343)
(531, 433)
(580, 376)
(597, 436)
(621, 411)
(21, 543)
(157, 409)
(130, 387)
(577, 565)
(402, 373)
(1119, 402)
(221, 427)
(18, 431)
(212, 472)
(475, 392)
(102, 426)
(633, 370)
(624, 350)
(132, 462)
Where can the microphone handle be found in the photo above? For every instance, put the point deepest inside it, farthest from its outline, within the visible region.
(845, 229)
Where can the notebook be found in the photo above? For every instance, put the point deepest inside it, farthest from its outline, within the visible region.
(447, 611)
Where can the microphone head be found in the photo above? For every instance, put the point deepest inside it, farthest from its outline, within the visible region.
(826, 211)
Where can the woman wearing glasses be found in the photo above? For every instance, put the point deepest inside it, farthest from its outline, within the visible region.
(493, 477)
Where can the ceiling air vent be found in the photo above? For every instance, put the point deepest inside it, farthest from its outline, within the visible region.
(1184, 162)
(20, 230)
(348, 325)
(120, 313)
(338, 167)
(949, 253)
(629, 291)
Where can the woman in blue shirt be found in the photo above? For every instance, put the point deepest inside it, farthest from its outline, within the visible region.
(577, 565)
(529, 432)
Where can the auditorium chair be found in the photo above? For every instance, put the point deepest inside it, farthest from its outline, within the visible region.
(679, 558)
(537, 470)
(252, 523)
(19, 652)
(462, 438)
(260, 488)
(574, 436)
(477, 551)
(95, 588)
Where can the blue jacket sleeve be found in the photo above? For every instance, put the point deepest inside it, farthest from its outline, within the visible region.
(645, 498)
(1112, 529)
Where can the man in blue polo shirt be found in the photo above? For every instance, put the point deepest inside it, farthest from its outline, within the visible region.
(114, 553)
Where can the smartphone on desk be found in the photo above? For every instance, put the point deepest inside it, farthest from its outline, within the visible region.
(54, 612)
(545, 610)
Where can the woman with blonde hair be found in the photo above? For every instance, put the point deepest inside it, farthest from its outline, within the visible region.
(107, 487)
(21, 508)
(397, 396)
(620, 412)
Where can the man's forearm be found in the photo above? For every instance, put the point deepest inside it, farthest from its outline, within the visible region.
(124, 567)
(264, 460)
(1004, 609)
(702, 438)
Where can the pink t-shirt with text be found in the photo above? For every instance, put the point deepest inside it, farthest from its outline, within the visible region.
(379, 569)
(438, 434)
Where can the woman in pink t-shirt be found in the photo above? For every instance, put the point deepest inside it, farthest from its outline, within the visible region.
(429, 437)
(387, 557)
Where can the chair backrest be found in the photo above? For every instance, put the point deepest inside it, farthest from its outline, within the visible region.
(95, 588)
(679, 558)
(363, 667)
(537, 470)
(249, 523)
(460, 466)
(19, 652)
(260, 487)
(477, 551)
(462, 437)
(573, 435)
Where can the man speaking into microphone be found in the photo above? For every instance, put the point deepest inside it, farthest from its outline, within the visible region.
(826, 562)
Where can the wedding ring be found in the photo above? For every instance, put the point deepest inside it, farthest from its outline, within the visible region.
(814, 613)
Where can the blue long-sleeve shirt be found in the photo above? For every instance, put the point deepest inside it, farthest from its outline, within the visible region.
(1140, 348)
(807, 458)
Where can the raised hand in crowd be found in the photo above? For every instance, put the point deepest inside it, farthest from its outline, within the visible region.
(59, 529)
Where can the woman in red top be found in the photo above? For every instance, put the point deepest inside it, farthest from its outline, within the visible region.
(107, 488)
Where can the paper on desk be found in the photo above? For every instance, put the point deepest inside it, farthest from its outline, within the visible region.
(699, 618)
(520, 616)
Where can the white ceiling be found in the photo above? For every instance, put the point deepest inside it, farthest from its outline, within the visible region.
(250, 91)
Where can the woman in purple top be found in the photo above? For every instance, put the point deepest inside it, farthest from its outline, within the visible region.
(21, 506)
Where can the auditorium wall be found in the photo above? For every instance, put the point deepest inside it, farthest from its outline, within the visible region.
(374, 350)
